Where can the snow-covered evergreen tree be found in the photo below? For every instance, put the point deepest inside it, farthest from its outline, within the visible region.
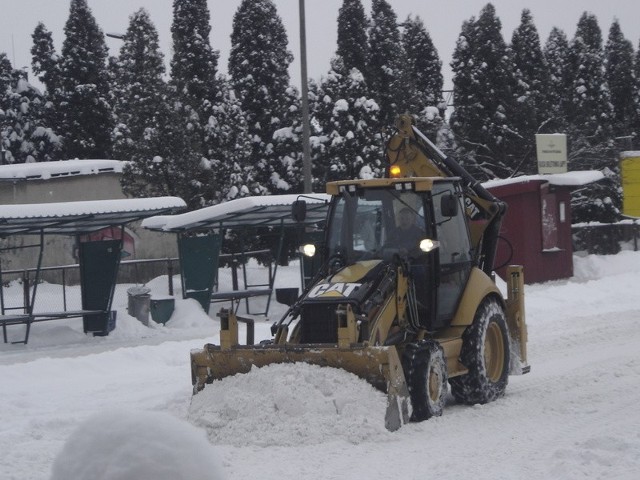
(387, 75)
(25, 133)
(557, 56)
(592, 113)
(287, 141)
(45, 61)
(354, 145)
(353, 44)
(621, 78)
(168, 160)
(424, 73)
(156, 131)
(85, 114)
(6, 74)
(138, 87)
(228, 147)
(194, 63)
(258, 67)
(530, 92)
(635, 127)
(591, 126)
(483, 90)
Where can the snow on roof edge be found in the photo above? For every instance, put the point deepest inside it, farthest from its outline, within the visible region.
(171, 222)
(90, 207)
(61, 168)
(574, 179)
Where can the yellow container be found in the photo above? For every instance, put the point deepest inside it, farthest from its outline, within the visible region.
(630, 172)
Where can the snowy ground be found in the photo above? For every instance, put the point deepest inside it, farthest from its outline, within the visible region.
(574, 416)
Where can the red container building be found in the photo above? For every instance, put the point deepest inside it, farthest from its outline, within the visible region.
(536, 230)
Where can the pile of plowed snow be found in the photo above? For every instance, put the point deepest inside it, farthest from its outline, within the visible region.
(289, 404)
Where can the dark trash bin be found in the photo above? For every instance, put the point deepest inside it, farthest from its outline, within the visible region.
(162, 309)
(100, 324)
(138, 303)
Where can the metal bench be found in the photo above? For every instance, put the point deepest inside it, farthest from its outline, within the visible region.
(235, 296)
(28, 319)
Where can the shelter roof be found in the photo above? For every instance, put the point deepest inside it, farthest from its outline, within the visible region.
(257, 211)
(567, 179)
(70, 218)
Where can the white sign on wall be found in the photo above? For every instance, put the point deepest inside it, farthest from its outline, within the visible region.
(551, 150)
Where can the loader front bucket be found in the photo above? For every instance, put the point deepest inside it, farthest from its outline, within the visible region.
(380, 366)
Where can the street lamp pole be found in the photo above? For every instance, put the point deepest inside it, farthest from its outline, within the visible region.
(306, 149)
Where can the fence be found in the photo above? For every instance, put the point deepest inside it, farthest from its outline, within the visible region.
(56, 295)
(606, 238)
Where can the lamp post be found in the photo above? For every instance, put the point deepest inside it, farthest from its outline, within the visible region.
(306, 149)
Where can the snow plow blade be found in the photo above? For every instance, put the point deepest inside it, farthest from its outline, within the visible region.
(379, 366)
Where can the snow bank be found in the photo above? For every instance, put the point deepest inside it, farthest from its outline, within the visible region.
(126, 445)
(290, 405)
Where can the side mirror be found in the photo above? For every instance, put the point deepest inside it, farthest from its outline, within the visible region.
(286, 296)
(449, 205)
(299, 210)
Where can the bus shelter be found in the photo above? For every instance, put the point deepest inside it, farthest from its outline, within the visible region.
(201, 232)
(98, 259)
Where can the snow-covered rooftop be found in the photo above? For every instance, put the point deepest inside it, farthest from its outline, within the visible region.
(568, 179)
(85, 216)
(630, 154)
(270, 210)
(62, 168)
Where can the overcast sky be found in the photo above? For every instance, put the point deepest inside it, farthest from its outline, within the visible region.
(443, 19)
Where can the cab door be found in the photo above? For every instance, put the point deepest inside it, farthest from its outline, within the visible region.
(454, 252)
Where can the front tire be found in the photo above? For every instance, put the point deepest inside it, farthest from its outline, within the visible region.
(485, 352)
(426, 374)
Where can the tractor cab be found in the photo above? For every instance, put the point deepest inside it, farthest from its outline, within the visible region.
(419, 226)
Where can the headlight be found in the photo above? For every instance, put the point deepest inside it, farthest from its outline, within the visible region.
(426, 245)
(308, 250)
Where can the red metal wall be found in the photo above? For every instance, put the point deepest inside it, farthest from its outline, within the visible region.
(541, 241)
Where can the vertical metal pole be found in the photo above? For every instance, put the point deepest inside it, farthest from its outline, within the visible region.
(64, 289)
(306, 149)
(170, 274)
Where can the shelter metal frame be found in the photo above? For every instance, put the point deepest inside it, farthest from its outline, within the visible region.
(99, 260)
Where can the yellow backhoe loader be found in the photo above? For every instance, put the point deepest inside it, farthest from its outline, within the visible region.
(405, 297)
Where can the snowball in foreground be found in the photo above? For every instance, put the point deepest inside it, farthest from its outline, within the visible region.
(118, 445)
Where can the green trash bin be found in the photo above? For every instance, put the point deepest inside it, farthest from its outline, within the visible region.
(161, 309)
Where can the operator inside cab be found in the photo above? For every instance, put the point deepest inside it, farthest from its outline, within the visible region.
(407, 234)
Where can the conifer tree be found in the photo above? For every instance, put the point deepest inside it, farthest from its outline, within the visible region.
(258, 67)
(168, 159)
(387, 76)
(483, 89)
(620, 77)
(194, 63)
(159, 134)
(138, 87)
(25, 135)
(85, 114)
(287, 167)
(636, 99)
(353, 142)
(424, 73)
(557, 57)
(590, 126)
(592, 113)
(530, 92)
(353, 45)
(228, 148)
(45, 60)
(6, 74)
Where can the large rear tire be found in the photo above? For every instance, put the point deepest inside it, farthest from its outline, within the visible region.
(426, 374)
(485, 352)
